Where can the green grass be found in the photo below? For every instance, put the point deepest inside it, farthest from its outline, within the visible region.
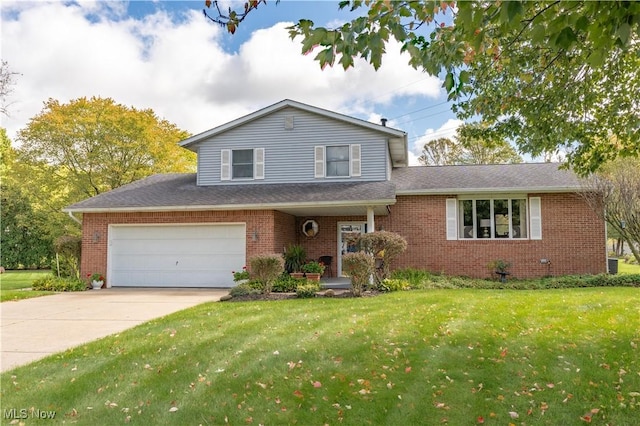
(628, 268)
(14, 283)
(419, 357)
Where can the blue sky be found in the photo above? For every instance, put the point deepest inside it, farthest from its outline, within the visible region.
(167, 56)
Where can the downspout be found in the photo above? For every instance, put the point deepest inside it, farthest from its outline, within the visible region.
(75, 219)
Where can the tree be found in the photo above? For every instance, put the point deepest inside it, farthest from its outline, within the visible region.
(439, 152)
(97, 145)
(7, 80)
(478, 147)
(614, 194)
(471, 146)
(24, 244)
(558, 76)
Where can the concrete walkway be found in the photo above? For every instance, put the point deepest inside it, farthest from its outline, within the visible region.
(32, 329)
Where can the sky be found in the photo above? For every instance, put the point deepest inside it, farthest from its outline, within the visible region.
(165, 55)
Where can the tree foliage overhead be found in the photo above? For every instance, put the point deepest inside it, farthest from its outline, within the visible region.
(553, 76)
(98, 145)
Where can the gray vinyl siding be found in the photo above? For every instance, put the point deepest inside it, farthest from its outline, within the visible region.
(289, 154)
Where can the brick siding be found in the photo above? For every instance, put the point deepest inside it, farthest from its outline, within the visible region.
(573, 238)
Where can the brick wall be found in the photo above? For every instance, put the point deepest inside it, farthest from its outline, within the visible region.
(267, 231)
(573, 238)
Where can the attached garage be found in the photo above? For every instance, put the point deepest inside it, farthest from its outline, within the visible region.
(200, 255)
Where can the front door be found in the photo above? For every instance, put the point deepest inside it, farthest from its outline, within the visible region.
(348, 233)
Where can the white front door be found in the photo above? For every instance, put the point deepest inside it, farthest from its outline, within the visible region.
(348, 233)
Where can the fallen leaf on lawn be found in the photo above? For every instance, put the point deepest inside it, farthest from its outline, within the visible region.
(407, 370)
(298, 393)
(504, 352)
(389, 385)
(586, 418)
(513, 414)
(317, 384)
(480, 419)
(551, 385)
(634, 394)
(363, 391)
(262, 385)
(276, 352)
(173, 409)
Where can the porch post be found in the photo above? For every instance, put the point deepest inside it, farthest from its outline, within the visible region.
(371, 223)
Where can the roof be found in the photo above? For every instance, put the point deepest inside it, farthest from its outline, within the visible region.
(179, 191)
(521, 177)
(397, 138)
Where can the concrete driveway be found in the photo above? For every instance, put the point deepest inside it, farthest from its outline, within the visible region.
(32, 329)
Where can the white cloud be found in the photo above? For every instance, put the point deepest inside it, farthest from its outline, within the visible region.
(180, 69)
(447, 130)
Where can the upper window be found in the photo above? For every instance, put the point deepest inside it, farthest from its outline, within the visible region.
(338, 160)
(242, 163)
(492, 218)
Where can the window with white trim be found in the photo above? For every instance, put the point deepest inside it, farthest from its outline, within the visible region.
(494, 218)
(337, 161)
(242, 164)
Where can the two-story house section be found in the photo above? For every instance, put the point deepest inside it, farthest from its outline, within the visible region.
(290, 142)
(292, 173)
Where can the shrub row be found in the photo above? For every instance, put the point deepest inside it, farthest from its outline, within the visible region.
(420, 279)
(53, 283)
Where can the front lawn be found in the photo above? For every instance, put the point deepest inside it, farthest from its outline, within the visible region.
(458, 357)
(628, 268)
(14, 285)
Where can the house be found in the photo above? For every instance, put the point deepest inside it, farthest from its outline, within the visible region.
(293, 173)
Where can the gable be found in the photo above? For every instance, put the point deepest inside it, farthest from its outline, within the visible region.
(288, 138)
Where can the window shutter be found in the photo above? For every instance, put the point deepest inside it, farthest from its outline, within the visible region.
(356, 169)
(319, 161)
(258, 163)
(535, 218)
(225, 164)
(452, 219)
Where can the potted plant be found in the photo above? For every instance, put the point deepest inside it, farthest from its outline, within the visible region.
(313, 270)
(97, 280)
(500, 267)
(294, 257)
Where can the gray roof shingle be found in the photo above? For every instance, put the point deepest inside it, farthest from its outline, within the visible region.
(180, 190)
(529, 177)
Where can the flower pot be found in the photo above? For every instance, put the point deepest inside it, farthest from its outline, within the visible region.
(311, 276)
(297, 275)
(97, 285)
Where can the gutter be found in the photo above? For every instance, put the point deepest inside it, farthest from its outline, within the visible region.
(75, 219)
(518, 190)
(226, 207)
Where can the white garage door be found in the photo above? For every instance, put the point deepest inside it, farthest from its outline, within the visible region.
(175, 255)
